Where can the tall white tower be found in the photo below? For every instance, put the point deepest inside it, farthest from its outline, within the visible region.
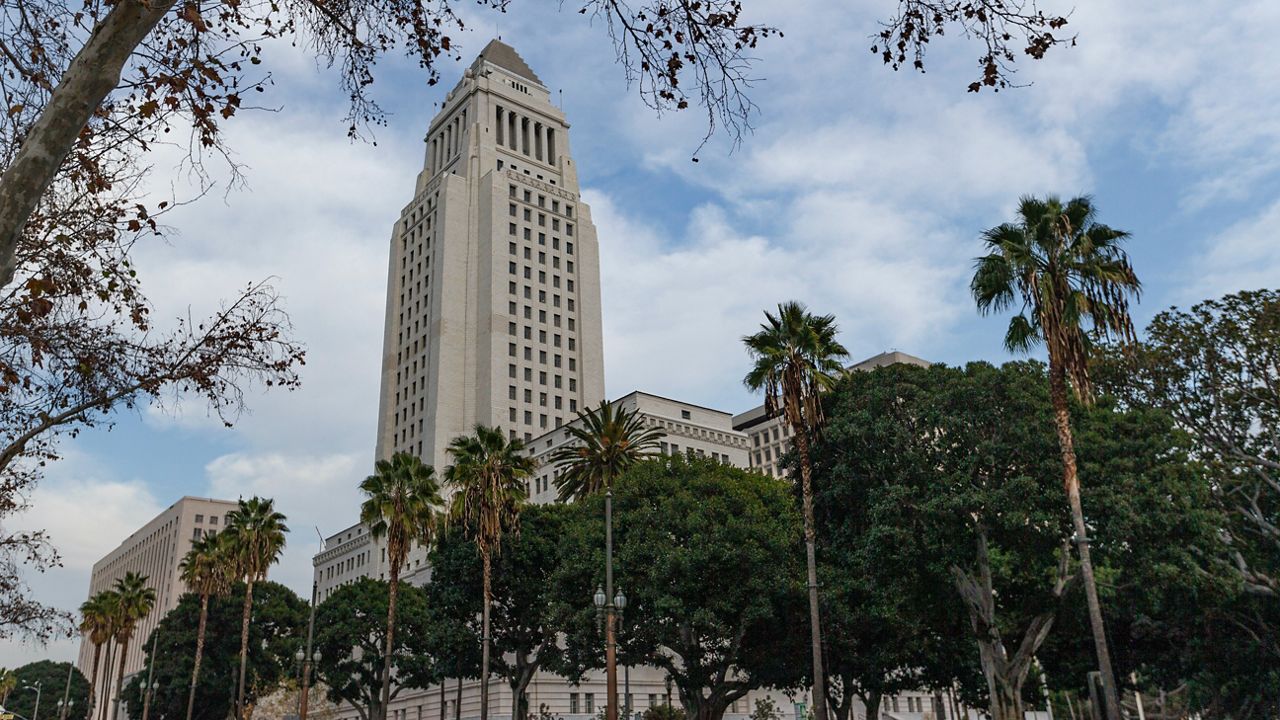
(493, 289)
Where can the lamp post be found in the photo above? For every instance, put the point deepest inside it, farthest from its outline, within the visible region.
(149, 686)
(66, 694)
(304, 664)
(607, 603)
(35, 714)
(309, 656)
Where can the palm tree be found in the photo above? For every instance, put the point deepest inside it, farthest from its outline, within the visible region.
(134, 601)
(488, 480)
(608, 439)
(95, 620)
(8, 683)
(254, 540)
(796, 357)
(206, 570)
(1073, 281)
(402, 505)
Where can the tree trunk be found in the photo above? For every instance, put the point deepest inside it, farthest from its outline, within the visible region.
(388, 646)
(91, 76)
(1006, 700)
(244, 646)
(519, 684)
(1070, 479)
(457, 702)
(442, 698)
(484, 651)
(872, 703)
(93, 681)
(112, 646)
(815, 627)
(124, 656)
(195, 670)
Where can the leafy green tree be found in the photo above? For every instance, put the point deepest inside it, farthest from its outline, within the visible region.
(206, 570)
(279, 625)
(402, 506)
(96, 616)
(705, 552)
(977, 514)
(881, 635)
(134, 601)
(794, 357)
(603, 444)
(1072, 280)
(524, 620)
(488, 478)
(254, 538)
(351, 634)
(52, 677)
(1216, 370)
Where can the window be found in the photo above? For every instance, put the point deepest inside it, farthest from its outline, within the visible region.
(199, 518)
(573, 702)
(213, 519)
(685, 415)
(590, 702)
(511, 210)
(197, 534)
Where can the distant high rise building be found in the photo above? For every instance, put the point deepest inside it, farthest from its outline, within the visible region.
(493, 289)
(155, 551)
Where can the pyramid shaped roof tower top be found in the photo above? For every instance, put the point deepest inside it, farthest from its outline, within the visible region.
(506, 57)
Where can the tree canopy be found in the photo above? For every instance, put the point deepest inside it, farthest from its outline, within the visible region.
(351, 627)
(52, 677)
(706, 555)
(279, 620)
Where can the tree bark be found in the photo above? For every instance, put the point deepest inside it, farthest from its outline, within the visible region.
(124, 655)
(244, 647)
(815, 628)
(872, 703)
(388, 646)
(1071, 480)
(91, 76)
(93, 681)
(442, 699)
(484, 651)
(195, 670)
(106, 678)
(457, 702)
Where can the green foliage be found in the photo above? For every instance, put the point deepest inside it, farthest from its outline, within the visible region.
(52, 677)
(524, 620)
(917, 464)
(764, 709)
(255, 537)
(794, 356)
(706, 554)
(402, 504)
(279, 618)
(605, 442)
(667, 712)
(355, 617)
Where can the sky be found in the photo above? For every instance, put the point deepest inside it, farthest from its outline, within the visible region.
(861, 192)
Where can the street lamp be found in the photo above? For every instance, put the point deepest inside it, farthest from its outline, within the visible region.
(307, 654)
(35, 714)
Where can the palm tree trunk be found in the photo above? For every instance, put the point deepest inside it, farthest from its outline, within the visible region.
(389, 645)
(195, 670)
(811, 560)
(244, 646)
(1062, 423)
(484, 651)
(124, 656)
(106, 678)
(93, 680)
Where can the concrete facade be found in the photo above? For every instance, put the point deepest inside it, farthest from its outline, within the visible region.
(770, 437)
(493, 286)
(155, 551)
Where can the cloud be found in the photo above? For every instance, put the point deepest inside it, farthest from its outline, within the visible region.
(87, 511)
(319, 490)
(1245, 256)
